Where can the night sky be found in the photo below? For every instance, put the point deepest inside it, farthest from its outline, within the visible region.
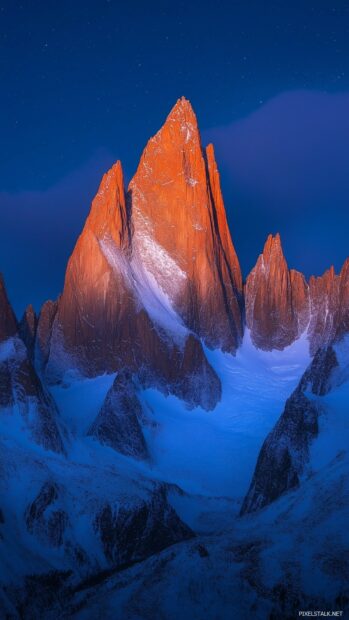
(85, 83)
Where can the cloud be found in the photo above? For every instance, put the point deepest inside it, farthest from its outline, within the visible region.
(38, 230)
(285, 167)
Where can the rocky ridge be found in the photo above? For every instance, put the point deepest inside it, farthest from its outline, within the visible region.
(285, 451)
(281, 305)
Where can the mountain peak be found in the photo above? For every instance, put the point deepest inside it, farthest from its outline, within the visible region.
(180, 126)
(345, 265)
(276, 299)
(8, 323)
(29, 311)
(108, 215)
(182, 108)
(178, 213)
(272, 244)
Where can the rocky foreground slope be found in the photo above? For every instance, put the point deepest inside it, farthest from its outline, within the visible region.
(22, 394)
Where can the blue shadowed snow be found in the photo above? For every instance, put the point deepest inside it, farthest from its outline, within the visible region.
(79, 401)
(215, 453)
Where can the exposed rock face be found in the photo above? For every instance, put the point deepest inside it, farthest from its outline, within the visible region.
(8, 323)
(131, 535)
(44, 333)
(92, 322)
(6, 396)
(21, 391)
(181, 235)
(118, 423)
(342, 326)
(281, 305)
(113, 313)
(317, 378)
(44, 520)
(155, 271)
(27, 330)
(329, 296)
(285, 451)
(81, 518)
(8, 328)
(324, 300)
(277, 306)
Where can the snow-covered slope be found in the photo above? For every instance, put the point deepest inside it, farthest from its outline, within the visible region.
(69, 506)
(285, 455)
(141, 471)
(75, 514)
(28, 412)
(58, 509)
(214, 453)
(292, 555)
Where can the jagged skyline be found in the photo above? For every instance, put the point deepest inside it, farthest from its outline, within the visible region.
(174, 398)
(146, 410)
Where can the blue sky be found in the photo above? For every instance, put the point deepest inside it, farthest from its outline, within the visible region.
(88, 82)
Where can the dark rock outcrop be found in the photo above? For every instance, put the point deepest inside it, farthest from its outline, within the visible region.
(43, 520)
(20, 387)
(8, 322)
(21, 390)
(27, 330)
(129, 535)
(329, 296)
(286, 449)
(44, 333)
(118, 422)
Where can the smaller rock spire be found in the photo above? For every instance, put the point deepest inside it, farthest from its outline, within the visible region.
(8, 322)
(27, 329)
(276, 299)
(108, 215)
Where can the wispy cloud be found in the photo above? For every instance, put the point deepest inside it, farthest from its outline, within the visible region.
(285, 167)
(38, 230)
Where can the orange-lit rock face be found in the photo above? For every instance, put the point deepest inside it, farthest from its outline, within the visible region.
(180, 230)
(323, 309)
(113, 315)
(8, 323)
(96, 300)
(342, 326)
(155, 271)
(329, 296)
(277, 306)
(280, 305)
(148, 271)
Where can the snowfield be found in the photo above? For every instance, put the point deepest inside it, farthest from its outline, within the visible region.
(292, 555)
(215, 453)
(207, 453)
